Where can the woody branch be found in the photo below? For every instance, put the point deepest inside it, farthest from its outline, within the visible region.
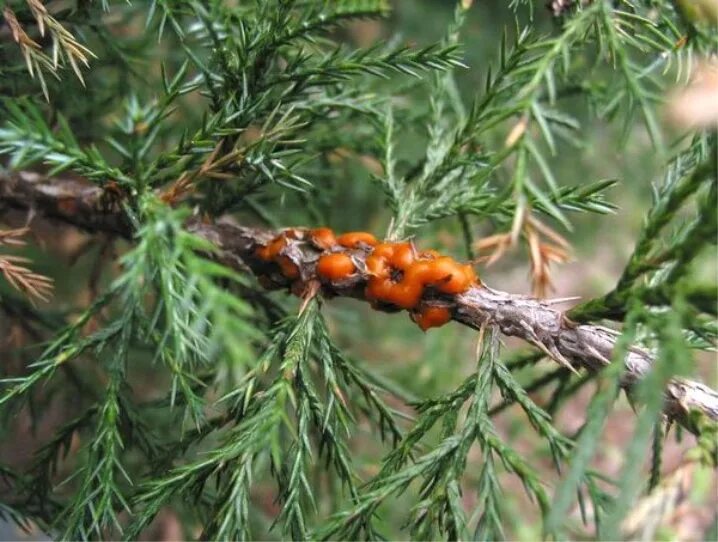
(579, 346)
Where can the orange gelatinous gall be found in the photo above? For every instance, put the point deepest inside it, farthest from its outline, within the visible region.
(335, 266)
(275, 247)
(440, 270)
(431, 316)
(470, 274)
(456, 284)
(420, 272)
(428, 268)
(272, 249)
(356, 238)
(384, 250)
(263, 253)
(446, 275)
(379, 289)
(377, 266)
(405, 294)
(397, 274)
(323, 237)
(403, 256)
(272, 253)
(288, 267)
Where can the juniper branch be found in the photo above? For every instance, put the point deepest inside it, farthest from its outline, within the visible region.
(584, 346)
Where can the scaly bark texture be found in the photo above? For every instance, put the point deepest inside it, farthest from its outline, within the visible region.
(579, 346)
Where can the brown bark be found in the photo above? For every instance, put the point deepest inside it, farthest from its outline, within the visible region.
(579, 346)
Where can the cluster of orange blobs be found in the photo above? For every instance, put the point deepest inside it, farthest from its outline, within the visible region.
(398, 275)
(272, 252)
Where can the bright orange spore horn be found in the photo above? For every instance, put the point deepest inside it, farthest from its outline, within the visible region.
(323, 238)
(288, 267)
(431, 316)
(272, 253)
(333, 267)
(398, 275)
(356, 238)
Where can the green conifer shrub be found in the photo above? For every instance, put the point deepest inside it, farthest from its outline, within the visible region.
(181, 137)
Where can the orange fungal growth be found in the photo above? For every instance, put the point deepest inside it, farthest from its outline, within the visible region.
(431, 316)
(396, 274)
(334, 267)
(377, 262)
(405, 294)
(356, 238)
(419, 272)
(440, 270)
(470, 274)
(322, 238)
(376, 266)
(263, 253)
(403, 256)
(379, 289)
(456, 283)
(276, 246)
(272, 253)
(288, 267)
(447, 275)
(383, 250)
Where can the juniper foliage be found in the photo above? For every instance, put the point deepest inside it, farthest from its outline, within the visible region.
(258, 413)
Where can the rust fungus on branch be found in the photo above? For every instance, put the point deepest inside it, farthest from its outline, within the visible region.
(336, 266)
(429, 316)
(391, 276)
(538, 322)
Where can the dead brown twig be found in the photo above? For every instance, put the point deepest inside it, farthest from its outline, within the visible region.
(545, 247)
(19, 276)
